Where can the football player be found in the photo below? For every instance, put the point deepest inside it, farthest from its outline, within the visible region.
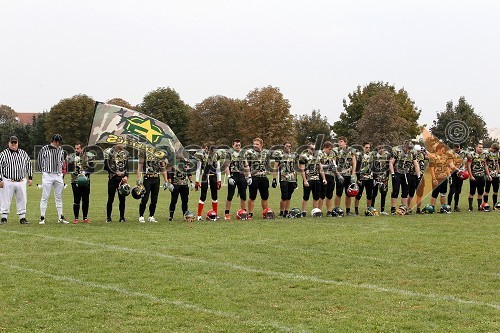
(399, 165)
(313, 176)
(181, 180)
(284, 169)
(415, 185)
(478, 171)
(237, 172)
(365, 177)
(208, 166)
(346, 164)
(459, 161)
(258, 161)
(380, 169)
(440, 167)
(330, 170)
(492, 158)
(116, 164)
(149, 169)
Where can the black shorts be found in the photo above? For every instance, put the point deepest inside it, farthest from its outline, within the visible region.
(400, 180)
(328, 188)
(368, 184)
(261, 185)
(240, 182)
(478, 185)
(340, 188)
(287, 189)
(441, 188)
(494, 183)
(314, 187)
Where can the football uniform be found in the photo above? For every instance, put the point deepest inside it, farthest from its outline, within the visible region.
(80, 165)
(344, 160)
(115, 161)
(329, 168)
(179, 177)
(258, 162)
(152, 167)
(492, 160)
(477, 165)
(287, 174)
(312, 171)
(365, 175)
(380, 173)
(237, 163)
(459, 160)
(402, 168)
(440, 163)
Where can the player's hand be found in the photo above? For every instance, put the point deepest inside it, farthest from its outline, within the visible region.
(231, 181)
(191, 185)
(306, 183)
(296, 184)
(340, 179)
(139, 182)
(1, 184)
(434, 182)
(324, 181)
(274, 183)
(219, 184)
(30, 182)
(489, 178)
(197, 186)
(472, 178)
(249, 181)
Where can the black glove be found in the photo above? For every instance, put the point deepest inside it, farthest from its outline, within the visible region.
(275, 183)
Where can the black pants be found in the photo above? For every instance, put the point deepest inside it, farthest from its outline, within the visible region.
(340, 188)
(399, 180)
(207, 180)
(328, 188)
(478, 185)
(494, 183)
(287, 189)
(368, 184)
(80, 194)
(455, 188)
(152, 187)
(383, 196)
(412, 185)
(113, 184)
(183, 191)
(260, 184)
(240, 183)
(315, 188)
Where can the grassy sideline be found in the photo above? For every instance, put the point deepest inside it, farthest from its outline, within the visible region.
(426, 273)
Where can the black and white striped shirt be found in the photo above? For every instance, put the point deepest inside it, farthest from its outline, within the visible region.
(50, 159)
(15, 164)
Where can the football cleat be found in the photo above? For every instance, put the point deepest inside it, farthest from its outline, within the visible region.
(152, 219)
(141, 219)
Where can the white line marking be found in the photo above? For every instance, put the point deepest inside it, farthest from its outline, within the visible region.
(288, 276)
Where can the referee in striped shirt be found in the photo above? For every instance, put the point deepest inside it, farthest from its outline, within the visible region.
(14, 165)
(50, 162)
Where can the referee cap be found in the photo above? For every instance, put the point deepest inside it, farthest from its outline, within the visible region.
(57, 137)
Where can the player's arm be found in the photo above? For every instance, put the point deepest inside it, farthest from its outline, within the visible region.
(354, 165)
(469, 168)
(163, 170)
(322, 172)
(140, 165)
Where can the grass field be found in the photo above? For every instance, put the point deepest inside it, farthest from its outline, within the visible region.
(426, 273)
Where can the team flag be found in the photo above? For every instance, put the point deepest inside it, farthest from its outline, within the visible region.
(118, 125)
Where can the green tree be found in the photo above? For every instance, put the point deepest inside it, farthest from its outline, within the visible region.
(72, 118)
(216, 119)
(166, 105)
(7, 114)
(309, 127)
(380, 123)
(9, 124)
(359, 99)
(266, 114)
(121, 102)
(460, 124)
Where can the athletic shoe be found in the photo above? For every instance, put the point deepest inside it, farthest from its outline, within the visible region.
(86, 221)
(227, 217)
(4, 220)
(200, 218)
(122, 219)
(42, 220)
(350, 214)
(75, 221)
(170, 218)
(456, 210)
(62, 220)
(329, 214)
(108, 220)
(304, 214)
(152, 219)
(23, 221)
(384, 213)
(471, 209)
(141, 219)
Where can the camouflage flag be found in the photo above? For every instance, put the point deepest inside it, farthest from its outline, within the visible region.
(118, 125)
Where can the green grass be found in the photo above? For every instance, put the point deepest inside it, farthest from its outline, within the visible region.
(428, 273)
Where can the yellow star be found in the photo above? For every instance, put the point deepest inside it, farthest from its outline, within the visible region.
(148, 131)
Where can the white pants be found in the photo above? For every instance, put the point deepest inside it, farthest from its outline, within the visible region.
(49, 180)
(18, 189)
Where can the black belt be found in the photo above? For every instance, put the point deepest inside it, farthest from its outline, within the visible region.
(16, 181)
(151, 175)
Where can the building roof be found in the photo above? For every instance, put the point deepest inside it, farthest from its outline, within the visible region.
(26, 118)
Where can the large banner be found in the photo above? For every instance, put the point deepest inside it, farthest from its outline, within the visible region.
(118, 125)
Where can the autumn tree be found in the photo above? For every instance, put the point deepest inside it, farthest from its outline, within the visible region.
(460, 124)
(72, 118)
(381, 123)
(216, 119)
(266, 114)
(7, 114)
(121, 102)
(166, 105)
(358, 101)
(9, 124)
(309, 127)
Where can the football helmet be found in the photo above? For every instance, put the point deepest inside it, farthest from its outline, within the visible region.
(371, 211)
(403, 210)
(295, 213)
(338, 212)
(352, 190)
(268, 214)
(189, 216)
(485, 207)
(316, 212)
(429, 209)
(445, 209)
(211, 215)
(124, 189)
(463, 174)
(138, 192)
(82, 181)
(241, 214)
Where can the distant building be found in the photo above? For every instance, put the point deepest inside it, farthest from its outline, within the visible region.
(494, 133)
(26, 118)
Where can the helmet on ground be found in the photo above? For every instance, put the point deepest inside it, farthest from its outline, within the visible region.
(82, 181)
(124, 189)
(295, 213)
(429, 209)
(352, 190)
(463, 174)
(403, 210)
(485, 207)
(241, 214)
(211, 215)
(268, 214)
(445, 209)
(338, 212)
(189, 216)
(138, 192)
(371, 211)
(316, 212)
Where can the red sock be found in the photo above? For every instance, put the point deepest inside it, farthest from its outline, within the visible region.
(200, 208)
(214, 206)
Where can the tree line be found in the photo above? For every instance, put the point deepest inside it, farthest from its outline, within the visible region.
(377, 112)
